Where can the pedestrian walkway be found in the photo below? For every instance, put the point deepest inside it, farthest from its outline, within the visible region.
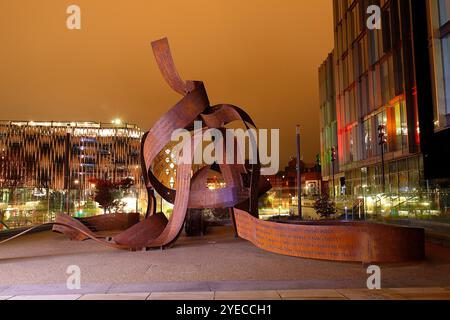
(310, 294)
(217, 264)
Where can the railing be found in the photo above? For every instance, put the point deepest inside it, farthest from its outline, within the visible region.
(417, 205)
(421, 204)
(27, 209)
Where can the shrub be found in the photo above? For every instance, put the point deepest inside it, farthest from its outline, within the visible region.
(324, 206)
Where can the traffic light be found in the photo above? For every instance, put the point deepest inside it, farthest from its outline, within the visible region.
(382, 136)
(333, 154)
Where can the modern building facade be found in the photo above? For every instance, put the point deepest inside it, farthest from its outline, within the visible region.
(436, 137)
(331, 174)
(388, 79)
(55, 154)
(36, 157)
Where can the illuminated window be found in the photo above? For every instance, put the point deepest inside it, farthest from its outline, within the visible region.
(398, 126)
(368, 138)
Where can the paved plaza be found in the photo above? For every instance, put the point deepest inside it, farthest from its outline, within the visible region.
(216, 266)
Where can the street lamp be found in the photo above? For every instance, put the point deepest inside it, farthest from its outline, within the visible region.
(77, 183)
(333, 160)
(382, 136)
(299, 175)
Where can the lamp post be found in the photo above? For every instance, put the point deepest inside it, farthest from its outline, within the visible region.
(67, 183)
(77, 183)
(299, 176)
(382, 142)
(333, 160)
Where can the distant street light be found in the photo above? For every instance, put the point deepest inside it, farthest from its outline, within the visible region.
(333, 160)
(299, 176)
(77, 183)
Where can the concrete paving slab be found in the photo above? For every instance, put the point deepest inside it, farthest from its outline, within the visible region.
(314, 294)
(435, 293)
(173, 286)
(429, 296)
(422, 290)
(251, 285)
(247, 295)
(116, 296)
(209, 295)
(47, 297)
(3, 288)
(366, 294)
(54, 289)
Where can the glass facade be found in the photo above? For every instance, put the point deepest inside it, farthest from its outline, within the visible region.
(402, 176)
(328, 122)
(439, 29)
(371, 91)
(47, 167)
(444, 11)
(375, 82)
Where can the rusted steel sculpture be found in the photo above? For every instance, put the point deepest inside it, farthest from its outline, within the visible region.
(331, 241)
(338, 241)
(106, 222)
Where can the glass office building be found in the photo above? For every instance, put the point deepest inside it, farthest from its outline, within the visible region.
(46, 165)
(439, 31)
(390, 77)
(328, 126)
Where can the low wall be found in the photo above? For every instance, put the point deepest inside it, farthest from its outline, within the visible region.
(338, 241)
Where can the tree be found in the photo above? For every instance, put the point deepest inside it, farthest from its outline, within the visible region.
(324, 206)
(108, 193)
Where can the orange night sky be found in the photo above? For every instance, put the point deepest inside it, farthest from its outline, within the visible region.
(261, 55)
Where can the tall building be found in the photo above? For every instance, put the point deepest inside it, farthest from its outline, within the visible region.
(395, 79)
(331, 174)
(66, 155)
(437, 40)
